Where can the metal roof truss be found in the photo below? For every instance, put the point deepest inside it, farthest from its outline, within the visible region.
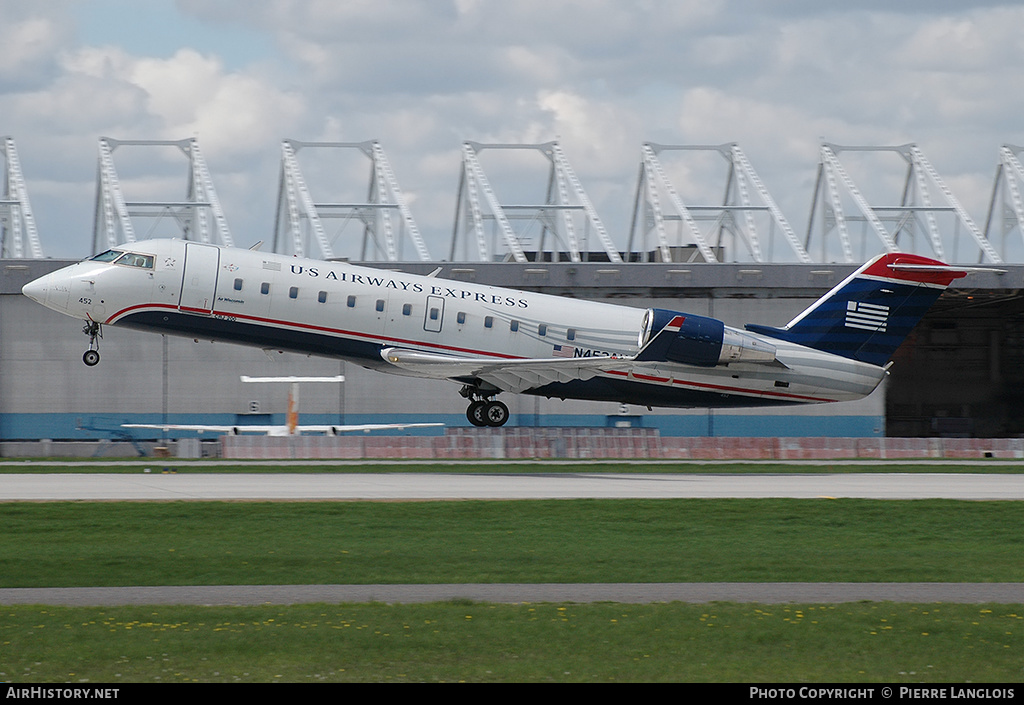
(925, 198)
(18, 235)
(198, 217)
(565, 218)
(300, 218)
(738, 214)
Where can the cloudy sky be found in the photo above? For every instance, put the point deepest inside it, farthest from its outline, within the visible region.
(602, 76)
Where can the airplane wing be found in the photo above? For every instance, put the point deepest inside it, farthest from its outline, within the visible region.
(508, 375)
(519, 375)
(205, 427)
(280, 430)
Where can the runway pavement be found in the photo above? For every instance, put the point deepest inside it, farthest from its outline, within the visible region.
(632, 593)
(208, 486)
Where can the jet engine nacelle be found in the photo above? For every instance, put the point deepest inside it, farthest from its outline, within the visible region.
(706, 342)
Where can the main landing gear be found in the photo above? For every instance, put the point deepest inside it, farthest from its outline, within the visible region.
(92, 356)
(484, 410)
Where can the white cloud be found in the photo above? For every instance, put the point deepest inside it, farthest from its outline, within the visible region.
(962, 43)
(26, 43)
(32, 40)
(233, 113)
(105, 91)
(179, 86)
(599, 135)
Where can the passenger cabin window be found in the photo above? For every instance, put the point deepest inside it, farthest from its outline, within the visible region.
(434, 314)
(513, 326)
(238, 285)
(265, 288)
(108, 256)
(570, 334)
(134, 259)
(322, 297)
(293, 292)
(351, 303)
(407, 310)
(380, 304)
(488, 321)
(542, 329)
(461, 318)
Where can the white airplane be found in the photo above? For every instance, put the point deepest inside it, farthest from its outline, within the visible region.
(291, 426)
(491, 340)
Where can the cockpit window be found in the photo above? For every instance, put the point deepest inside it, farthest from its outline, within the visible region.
(108, 256)
(134, 259)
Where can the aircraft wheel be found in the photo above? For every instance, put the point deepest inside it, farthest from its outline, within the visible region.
(496, 413)
(475, 413)
(91, 357)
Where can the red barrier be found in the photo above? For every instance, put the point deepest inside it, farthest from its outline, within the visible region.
(612, 443)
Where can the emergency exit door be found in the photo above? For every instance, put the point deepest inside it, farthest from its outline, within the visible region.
(433, 315)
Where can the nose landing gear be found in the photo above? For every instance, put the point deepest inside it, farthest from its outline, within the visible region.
(92, 356)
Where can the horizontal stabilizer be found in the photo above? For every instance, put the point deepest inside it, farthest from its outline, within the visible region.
(901, 267)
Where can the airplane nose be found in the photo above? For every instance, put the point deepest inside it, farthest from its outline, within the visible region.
(36, 289)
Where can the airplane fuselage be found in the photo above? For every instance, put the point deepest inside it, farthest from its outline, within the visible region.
(340, 310)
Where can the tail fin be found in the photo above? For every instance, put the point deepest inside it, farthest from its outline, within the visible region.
(868, 315)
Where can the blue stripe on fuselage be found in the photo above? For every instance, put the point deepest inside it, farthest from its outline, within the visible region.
(264, 336)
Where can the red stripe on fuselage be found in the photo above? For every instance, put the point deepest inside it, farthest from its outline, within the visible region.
(310, 326)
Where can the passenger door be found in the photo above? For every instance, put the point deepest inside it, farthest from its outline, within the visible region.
(199, 278)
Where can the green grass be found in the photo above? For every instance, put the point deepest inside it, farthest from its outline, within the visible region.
(748, 540)
(182, 543)
(446, 642)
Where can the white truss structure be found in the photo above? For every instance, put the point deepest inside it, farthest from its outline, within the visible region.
(926, 207)
(739, 216)
(1006, 208)
(197, 217)
(385, 217)
(565, 219)
(18, 235)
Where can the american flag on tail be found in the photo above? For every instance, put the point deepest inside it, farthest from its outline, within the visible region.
(866, 316)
